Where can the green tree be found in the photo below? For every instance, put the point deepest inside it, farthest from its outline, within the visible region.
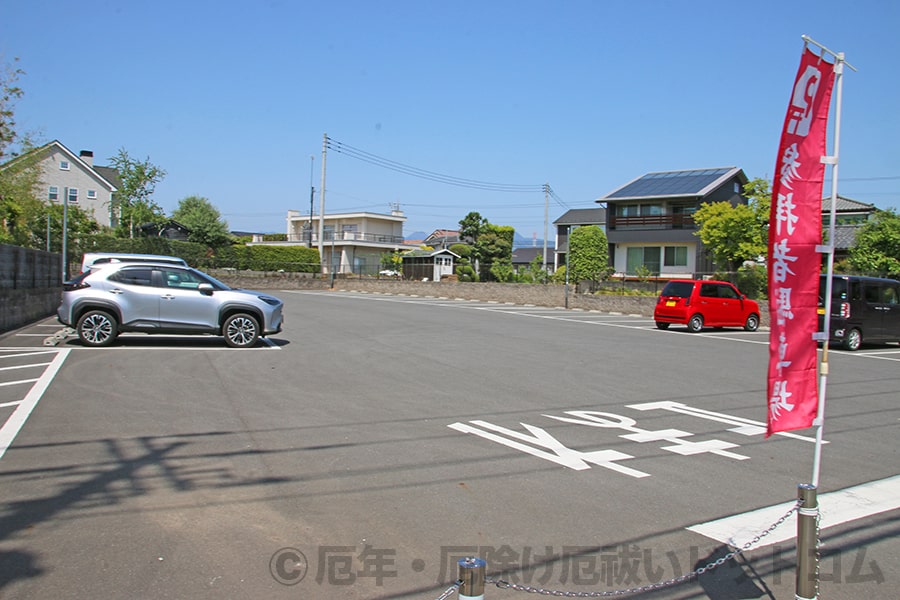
(80, 228)
(203, 220)
(10, 92)
(493, 249)
(19, 177)
(588, 254)
(19, 206)
(471, 227)
(534, 272)
(134, 202)
(392, 261)
(876, 250)
(736, 234)
(464, 269)
(758, 192)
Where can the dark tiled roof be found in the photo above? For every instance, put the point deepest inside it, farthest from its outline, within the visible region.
(526, 255)
(844, 236)
(846, 205)
(419, 252)
(582, 216)
(694, 182)
(110, 174)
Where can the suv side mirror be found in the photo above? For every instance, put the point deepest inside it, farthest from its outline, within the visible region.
(205, 289)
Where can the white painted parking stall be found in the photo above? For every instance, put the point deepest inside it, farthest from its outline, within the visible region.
(25, 374)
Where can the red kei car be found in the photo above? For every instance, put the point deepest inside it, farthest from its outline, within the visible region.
(705, 303)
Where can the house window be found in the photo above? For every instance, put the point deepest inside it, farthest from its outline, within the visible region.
(639, 210)
(73, 195)
(53, 194)
(675, 256)
(92, 194)
(644, 258)
(63, 165)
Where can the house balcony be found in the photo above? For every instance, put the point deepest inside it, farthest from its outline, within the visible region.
(621, 223)
(338, 237)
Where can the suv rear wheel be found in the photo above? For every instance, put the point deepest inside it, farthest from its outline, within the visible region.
(695, 324)
(240, 330)
(853, 340)
(97, 328)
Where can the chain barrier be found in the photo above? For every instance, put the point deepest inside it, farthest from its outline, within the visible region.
(450, 590)
(503, 584)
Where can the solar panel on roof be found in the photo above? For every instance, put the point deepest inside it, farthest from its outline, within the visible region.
(670, 183)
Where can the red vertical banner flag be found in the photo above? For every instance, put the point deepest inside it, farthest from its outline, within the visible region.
(795, 229)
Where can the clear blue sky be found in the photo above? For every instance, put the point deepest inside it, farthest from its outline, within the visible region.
(232, 98)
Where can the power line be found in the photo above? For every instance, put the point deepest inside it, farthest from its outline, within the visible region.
(392, 165)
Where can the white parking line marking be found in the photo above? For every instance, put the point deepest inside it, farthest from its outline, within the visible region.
(31, 366)
(836, 508)
(743, 426)
(17, 382)
(23, 409)
(20, 352)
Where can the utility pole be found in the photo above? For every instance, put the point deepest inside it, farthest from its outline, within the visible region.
(568, 252)
(546, 217)
(312, 194)
(322, 205)
(65, 233)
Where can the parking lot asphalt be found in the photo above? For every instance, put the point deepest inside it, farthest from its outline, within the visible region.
(378, 439)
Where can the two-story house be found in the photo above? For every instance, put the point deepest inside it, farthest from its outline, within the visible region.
(351, 242)
(576, 217)
(650, 226)
(850, 215)
(67, 177)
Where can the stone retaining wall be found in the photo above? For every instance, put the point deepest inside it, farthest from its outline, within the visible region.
(516, 293)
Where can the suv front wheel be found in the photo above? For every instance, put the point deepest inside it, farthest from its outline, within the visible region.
(240, 330)
(752, 323)
(97, 328)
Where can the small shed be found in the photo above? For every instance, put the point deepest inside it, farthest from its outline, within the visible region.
(429, 265)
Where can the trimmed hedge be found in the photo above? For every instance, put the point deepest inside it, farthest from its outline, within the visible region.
(291, 259)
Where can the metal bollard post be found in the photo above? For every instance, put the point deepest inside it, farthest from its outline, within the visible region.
(807, 542)
(471, 574)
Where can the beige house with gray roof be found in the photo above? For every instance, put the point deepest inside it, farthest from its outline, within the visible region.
(67, 176)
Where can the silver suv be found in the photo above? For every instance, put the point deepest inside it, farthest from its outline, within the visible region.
(164, 298)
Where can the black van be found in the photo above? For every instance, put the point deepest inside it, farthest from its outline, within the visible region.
(863, 309)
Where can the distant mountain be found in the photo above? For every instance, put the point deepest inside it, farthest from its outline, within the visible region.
(520, 241)
(416, 235)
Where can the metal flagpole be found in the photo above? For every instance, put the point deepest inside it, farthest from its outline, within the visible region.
(832, 160)
(322, 206)
(807, 575)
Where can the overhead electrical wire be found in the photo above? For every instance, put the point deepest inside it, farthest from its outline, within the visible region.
(385, 163)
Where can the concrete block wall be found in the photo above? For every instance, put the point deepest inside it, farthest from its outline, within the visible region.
(537, 295)
(30, 285)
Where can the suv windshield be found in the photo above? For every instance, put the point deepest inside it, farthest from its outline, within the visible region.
(681, 289)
